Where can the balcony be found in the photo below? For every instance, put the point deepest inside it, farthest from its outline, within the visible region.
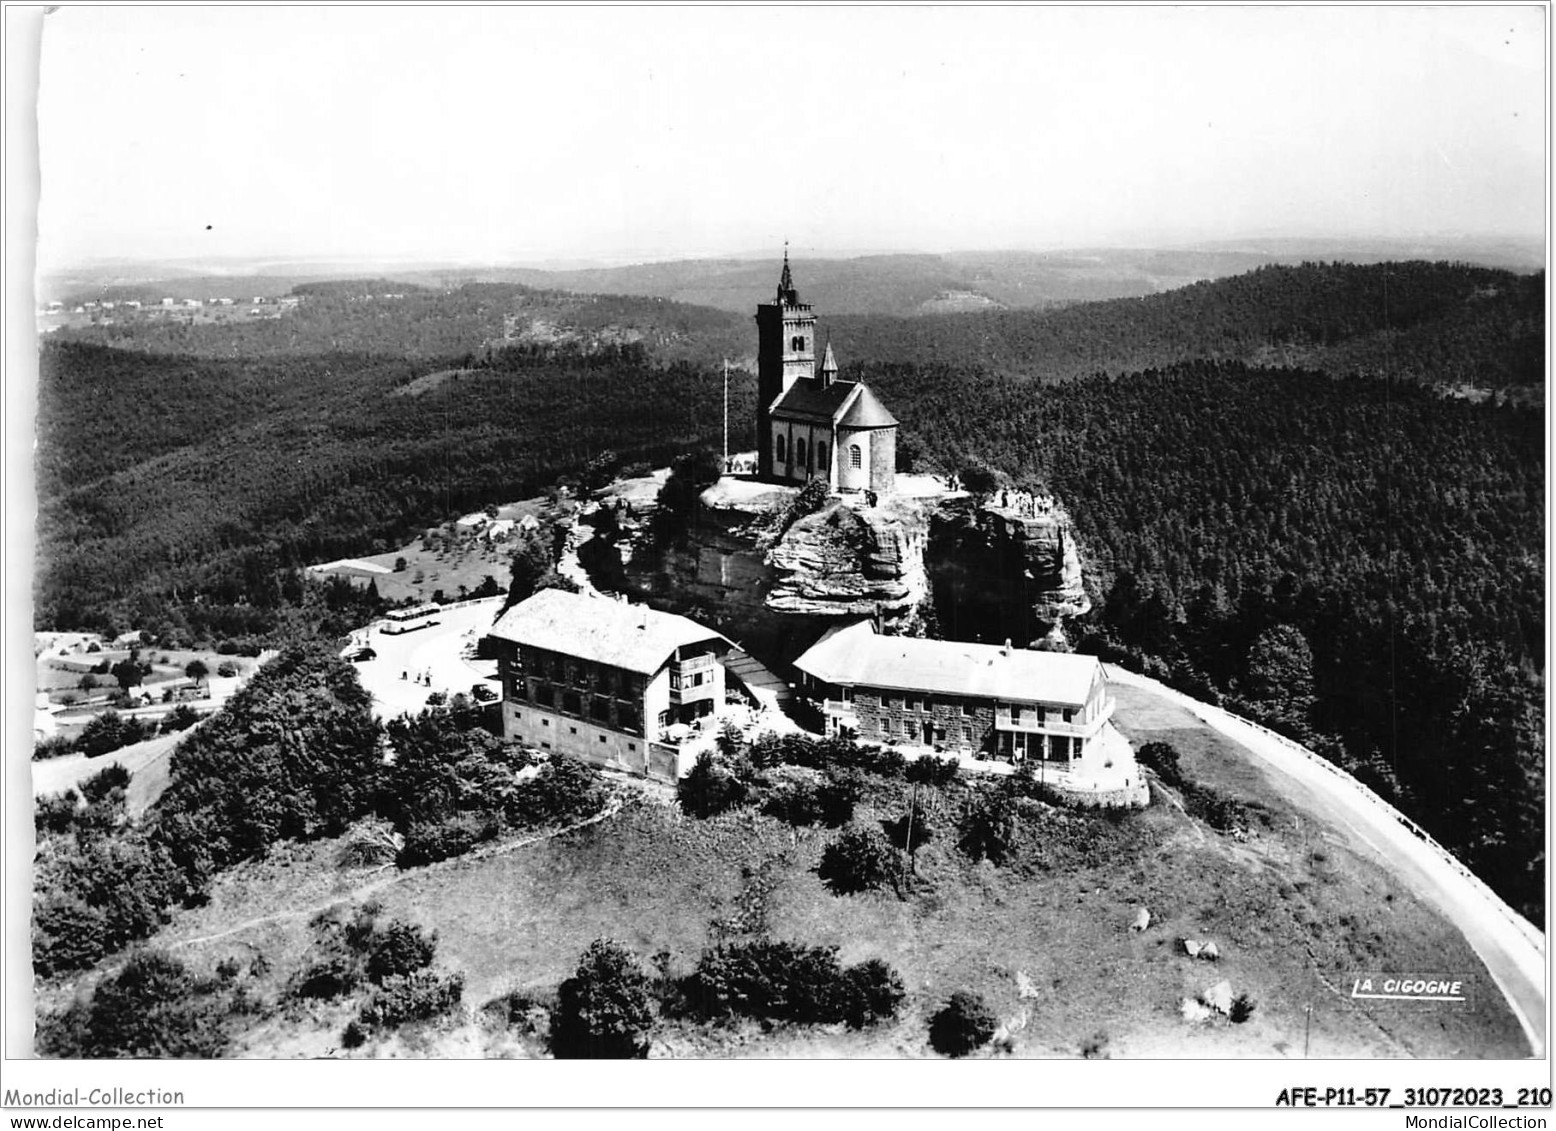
(1051, 722)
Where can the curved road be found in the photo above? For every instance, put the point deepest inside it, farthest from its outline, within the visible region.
(1512, 948)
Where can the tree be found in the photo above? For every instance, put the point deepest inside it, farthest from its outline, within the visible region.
(128, 673)
(604, 1010)
(963, 1024)
(1280, 675)
(197, 671)
(87, 683)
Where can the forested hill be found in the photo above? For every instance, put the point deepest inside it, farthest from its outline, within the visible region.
(395, 319)
(1447, 324)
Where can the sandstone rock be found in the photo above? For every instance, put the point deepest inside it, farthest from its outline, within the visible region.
(1192, 947)
(1142, 920)
(843, 562)
(1210, 952)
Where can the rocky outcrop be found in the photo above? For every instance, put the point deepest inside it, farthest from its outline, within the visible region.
(1045, 552)
(999, 573)
(848, 561)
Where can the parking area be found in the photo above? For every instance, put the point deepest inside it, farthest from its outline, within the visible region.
(408, 667)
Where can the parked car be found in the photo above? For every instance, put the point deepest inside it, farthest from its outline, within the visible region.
(483, 694)
(358, 655)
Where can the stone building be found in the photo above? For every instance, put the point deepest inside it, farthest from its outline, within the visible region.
(960, 698)
(810, 422)
(602, 680)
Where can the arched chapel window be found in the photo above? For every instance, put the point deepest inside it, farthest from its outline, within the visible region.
(780, 449)
(821, 454)
(799, 452)
(855, 456)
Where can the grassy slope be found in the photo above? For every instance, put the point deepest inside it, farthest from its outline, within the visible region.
(1295, 910)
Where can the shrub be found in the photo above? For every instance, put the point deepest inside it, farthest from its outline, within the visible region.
(806, 501)
(988, 828)
(55, 812)
(1242, 1008)
(412, 997)
(912, 830)
(153, 1007)
(399, 949)
(963, 1024)
(929, 770)
(180, 718)
(603, 1011)
(709, 789)
(332, 977)
(564, 792)
(101, 784)
(860, 859)
(55, 747)
(873, 992)
(430, 841)
(1163, 758)
(353, 1036)
(783, 981)
(109, 731)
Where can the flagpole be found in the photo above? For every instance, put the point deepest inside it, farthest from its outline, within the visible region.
(726, 415)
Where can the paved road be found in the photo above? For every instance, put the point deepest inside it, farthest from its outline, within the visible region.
(1513, 950)
(435, 652)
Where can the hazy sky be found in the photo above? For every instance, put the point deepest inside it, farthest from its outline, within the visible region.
(628, 133)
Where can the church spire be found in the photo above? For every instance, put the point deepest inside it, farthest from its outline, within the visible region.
(828, 366)
(786, 292)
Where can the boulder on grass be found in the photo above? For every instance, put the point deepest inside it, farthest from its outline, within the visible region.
(1191, 947)
(1194, 1011)
(1219, 997)
(1142, 920)
(1210, 952)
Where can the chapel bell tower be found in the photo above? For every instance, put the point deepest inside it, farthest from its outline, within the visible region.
(785, 352)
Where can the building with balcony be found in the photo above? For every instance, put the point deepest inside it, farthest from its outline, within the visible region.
(605, 681)
(978, 699)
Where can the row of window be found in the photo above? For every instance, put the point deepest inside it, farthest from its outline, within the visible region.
(922, 703)
(605, 679)
(545, 724)
(615, 713)
(780, 451)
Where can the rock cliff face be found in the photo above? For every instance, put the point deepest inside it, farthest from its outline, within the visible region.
(999, 575)
(986, 574)
(848, 562)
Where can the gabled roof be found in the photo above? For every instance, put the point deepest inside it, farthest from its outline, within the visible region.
(634, 637)
(809, 400)
(856, 656)
(866, 411)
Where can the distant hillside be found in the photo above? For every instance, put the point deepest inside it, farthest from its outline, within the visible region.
(915, 284)
(1440, 323)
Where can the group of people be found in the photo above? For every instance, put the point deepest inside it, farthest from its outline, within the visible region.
(1026, 504)
(423, 677)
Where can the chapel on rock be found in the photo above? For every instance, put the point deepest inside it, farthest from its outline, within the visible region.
(811, 422)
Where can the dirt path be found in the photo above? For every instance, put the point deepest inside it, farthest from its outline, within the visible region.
(1513, 950)
(363, 891)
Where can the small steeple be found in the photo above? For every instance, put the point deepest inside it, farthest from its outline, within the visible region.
(786, 292)
(828, 366)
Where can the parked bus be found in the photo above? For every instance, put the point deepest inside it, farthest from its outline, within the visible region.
(409, 620)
